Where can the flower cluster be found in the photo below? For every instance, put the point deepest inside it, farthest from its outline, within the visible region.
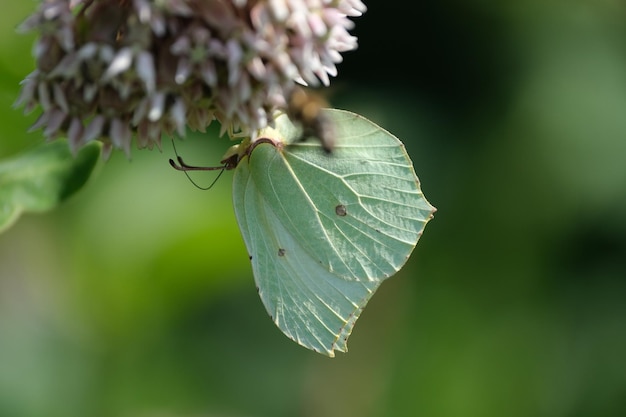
(112, 70)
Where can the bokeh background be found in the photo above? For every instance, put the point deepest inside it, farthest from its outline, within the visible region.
(135, 297)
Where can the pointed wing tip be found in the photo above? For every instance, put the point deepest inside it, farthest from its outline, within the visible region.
(338, 345)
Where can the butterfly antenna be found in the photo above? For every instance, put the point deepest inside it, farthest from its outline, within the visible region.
(182, 166)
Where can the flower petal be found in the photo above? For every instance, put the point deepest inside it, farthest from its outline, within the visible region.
(122, 61)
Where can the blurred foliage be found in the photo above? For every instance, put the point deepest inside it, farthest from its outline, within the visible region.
(42, 178)
(135, 297)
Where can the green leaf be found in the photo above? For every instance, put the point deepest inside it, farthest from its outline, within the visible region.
(323, 231)
(42, 178)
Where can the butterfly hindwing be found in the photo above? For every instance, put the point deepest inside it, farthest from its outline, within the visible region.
(307, 302)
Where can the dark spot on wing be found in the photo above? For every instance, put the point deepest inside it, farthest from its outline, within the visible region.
(340, 210)
(281, 252)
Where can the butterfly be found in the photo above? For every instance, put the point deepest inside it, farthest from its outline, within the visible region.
(324, 229)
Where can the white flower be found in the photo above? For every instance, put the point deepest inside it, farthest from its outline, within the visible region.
(113, 69)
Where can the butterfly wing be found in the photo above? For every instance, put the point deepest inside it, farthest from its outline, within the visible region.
(308, 303)
(324, 231)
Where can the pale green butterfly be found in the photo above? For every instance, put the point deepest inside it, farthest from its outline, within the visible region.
(324, 230)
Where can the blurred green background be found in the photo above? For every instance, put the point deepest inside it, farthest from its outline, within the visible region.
(135, 298)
